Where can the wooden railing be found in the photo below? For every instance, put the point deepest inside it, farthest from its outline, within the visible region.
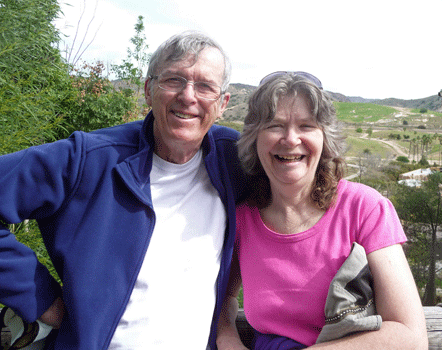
(433, 316)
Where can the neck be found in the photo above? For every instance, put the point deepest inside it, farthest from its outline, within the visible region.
(180, 156)
(175, 152)
(291, 212)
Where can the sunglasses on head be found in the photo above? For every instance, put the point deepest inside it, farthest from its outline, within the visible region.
(305, 75)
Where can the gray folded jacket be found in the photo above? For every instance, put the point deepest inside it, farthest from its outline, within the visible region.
(350, 303)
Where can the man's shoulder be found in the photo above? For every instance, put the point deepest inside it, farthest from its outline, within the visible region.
(127, 134)
(220, 132)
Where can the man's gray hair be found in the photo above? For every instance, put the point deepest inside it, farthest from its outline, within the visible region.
(179, 46)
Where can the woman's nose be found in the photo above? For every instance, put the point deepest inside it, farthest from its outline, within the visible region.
(291, 137)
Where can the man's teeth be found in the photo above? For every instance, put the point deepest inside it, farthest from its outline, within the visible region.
(184, 116)
(291, 158)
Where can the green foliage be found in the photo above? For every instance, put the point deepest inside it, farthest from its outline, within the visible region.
(395, 168)
(132, 68)
(39, 101)
(33, 77)
(359, 130)
(394, 136)
(423, 110)
(421, 211)
(96, 103)
(403, 159)
(424, 162)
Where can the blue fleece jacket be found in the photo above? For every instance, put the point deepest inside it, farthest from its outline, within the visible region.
(90, 195)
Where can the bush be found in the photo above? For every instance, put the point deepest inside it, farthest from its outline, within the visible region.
(359, 130)
(34, 79)
(403, 159)
(423, 110)
(424, 161)
(96, 103)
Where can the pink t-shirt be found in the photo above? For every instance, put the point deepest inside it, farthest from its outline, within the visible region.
(286, 277)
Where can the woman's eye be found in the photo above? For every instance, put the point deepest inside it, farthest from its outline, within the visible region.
(308, 126)
(274, 126)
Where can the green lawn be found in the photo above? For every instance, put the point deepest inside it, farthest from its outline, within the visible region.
(362, 112)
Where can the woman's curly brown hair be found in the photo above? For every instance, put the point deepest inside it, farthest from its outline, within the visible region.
(262, 109)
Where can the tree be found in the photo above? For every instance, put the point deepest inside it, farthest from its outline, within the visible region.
(132, 68)
(421, 209)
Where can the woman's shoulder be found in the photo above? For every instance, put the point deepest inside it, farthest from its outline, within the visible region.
(356, 192)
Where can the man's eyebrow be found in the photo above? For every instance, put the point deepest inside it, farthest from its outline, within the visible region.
(178, 73)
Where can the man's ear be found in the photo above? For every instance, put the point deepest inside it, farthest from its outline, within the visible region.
(224, 103)
(147, 95)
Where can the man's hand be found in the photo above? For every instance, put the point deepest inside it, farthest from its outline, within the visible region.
(54, 315)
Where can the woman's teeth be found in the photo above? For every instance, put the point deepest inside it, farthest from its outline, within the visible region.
(289, 158)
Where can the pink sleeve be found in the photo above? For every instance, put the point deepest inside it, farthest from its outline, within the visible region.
(380, 226)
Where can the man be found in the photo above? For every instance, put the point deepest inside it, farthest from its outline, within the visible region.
(138, 219)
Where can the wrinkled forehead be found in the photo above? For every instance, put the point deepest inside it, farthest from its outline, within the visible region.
(210, 64)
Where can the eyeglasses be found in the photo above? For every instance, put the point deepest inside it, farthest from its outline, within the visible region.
(175, 83)
(305, 75)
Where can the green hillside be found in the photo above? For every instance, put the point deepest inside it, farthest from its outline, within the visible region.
(362, 112)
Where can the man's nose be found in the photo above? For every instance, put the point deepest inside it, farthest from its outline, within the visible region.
(188, 93)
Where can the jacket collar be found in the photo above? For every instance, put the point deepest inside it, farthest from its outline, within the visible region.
(135, 170)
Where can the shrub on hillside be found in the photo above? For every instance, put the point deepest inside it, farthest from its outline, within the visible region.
(403, 159)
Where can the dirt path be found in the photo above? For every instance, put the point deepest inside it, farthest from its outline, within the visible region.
(400, 151)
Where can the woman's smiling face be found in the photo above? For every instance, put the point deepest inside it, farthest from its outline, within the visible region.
(289, 147)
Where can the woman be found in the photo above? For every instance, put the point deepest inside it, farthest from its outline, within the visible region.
(298, 227)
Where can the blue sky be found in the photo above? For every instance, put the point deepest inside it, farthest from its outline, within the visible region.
(372, 49)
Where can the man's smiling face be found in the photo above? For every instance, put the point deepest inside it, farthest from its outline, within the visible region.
(182, 119)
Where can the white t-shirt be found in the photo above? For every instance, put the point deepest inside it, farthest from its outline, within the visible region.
(172, 304)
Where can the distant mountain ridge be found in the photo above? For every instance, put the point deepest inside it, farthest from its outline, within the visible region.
(433, 103)
(238, 104)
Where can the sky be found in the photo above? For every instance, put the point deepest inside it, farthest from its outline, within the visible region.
(371, 49)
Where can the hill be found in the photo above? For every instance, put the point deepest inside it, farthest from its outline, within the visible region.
(238, 105)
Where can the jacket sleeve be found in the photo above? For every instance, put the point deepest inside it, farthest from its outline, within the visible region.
(34, 184)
